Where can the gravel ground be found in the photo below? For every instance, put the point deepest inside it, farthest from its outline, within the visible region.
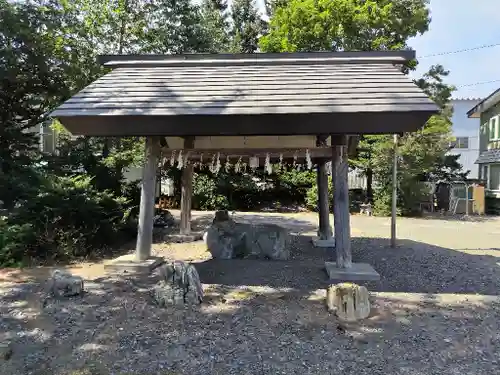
(435, 311)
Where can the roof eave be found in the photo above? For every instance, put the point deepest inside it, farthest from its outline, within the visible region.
(484, 105)
(395, 57)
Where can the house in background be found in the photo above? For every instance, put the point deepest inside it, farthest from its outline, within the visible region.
(488, 113)
(47, 137)
(48, 144)
(466, 133)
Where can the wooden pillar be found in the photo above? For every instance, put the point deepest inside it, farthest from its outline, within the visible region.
(324, 231)
(186, 191)
(341, 202)
(394, 192)
(147, 205)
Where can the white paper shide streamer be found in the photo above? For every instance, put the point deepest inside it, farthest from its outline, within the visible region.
(172, 158)
(180, 161)
(254, 163)
(308, 160)
(268, 167)
(217, 166)
(211, 168)
(237, 166)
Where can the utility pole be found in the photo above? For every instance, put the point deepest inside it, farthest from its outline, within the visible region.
(394, 192)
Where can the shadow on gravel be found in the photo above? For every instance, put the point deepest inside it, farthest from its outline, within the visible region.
(413, 267)
(416, 267)
(115, 329)
(267, 317)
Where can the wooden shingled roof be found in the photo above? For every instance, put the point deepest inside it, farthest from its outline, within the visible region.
(259, 94)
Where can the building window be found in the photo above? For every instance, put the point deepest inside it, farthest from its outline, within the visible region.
(461, 142)
(47, 138)
(494, 181)
(494, 129)
(491, 175)
(484, 175)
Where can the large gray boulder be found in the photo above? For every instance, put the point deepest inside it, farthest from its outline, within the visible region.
(180, 284)
(228, 239)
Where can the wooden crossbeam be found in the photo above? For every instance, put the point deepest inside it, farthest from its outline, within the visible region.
(274, 153)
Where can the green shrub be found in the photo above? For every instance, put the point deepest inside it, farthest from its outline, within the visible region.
(68, 219)
(382, 203)
(131, 191)
(356, 196)
(13, 240)
(312, 196)
(205, 194)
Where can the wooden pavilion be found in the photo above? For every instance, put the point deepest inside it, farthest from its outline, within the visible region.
(261, 106)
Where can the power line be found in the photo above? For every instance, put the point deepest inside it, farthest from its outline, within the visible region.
(460, 50)
(478, 83)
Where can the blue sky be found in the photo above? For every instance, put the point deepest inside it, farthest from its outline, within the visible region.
(457, 25)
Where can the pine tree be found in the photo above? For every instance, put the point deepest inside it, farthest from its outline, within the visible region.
(216, 25)
(247, 26)
(174, 26)
(29, 86)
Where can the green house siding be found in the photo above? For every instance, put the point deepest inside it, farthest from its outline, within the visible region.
(490, 129)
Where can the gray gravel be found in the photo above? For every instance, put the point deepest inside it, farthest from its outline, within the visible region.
(436, 311)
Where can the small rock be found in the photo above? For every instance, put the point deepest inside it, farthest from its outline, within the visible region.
(5, 351)
(349, 301)
(64, 284)
(180, 285)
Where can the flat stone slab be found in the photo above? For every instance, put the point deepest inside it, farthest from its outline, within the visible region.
(181, 238)
(323, 243)
(129, 264)
(358, 272)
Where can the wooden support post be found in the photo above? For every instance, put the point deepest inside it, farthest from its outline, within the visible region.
(147, 205)
(186, 191)
(341, 202)
(394, 191)
(324, 231)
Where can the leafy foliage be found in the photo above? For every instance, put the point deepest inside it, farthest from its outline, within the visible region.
(422, 156)
(206, 196)
(75, 202)
(67, 219)
(368, 25)
(248, 26)
(312, 196)
(216, 25)
(344, 25)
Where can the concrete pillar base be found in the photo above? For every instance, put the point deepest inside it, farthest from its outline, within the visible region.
(129, 264)
(358, 272)
(318, 242)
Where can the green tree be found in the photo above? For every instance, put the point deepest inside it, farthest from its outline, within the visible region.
(32, 80)
(352, 25)
(247, 27)
(422, 154)
(216, 25)
(344, 25)
(174, 26)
